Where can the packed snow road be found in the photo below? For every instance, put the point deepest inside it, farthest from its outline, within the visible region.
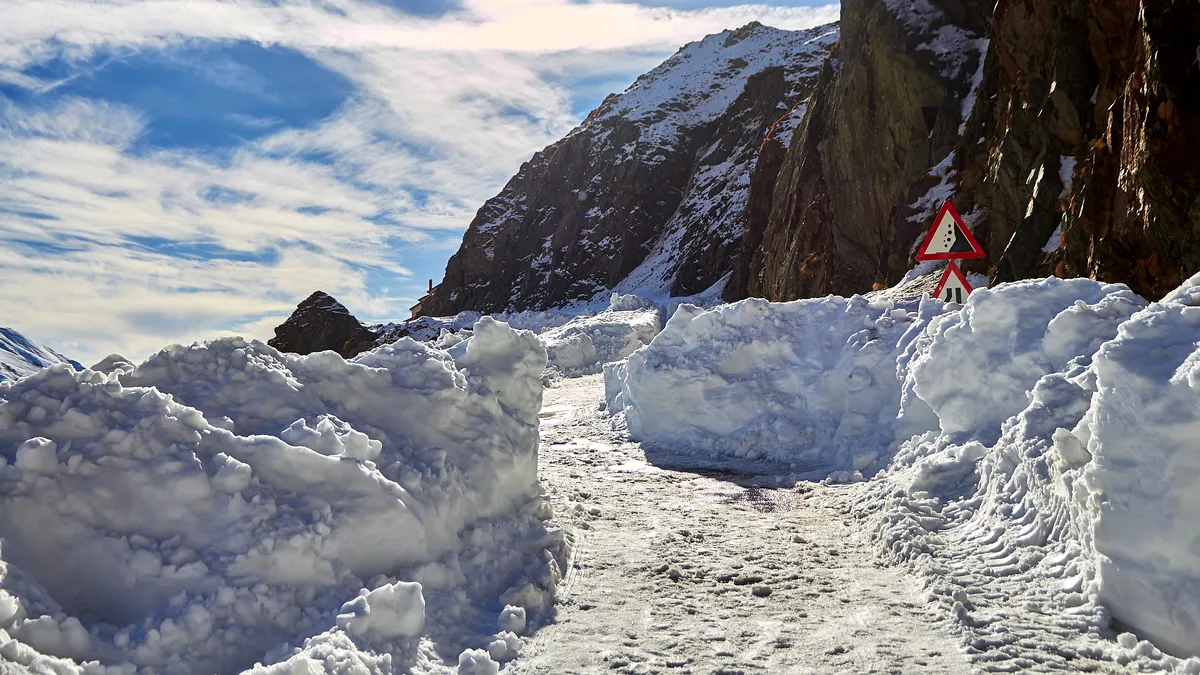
(678, 571)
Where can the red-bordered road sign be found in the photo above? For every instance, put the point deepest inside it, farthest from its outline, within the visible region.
(949, 238)
(953, 287)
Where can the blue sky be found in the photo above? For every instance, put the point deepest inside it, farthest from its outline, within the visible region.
(175, 170)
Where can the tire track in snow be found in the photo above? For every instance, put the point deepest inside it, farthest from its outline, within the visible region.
(713, 573)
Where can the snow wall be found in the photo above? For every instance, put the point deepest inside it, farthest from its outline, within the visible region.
(578, 341)
(190, 514)
(1069, 409)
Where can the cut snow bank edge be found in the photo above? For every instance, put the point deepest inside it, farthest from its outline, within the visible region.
(1053, 413)
(226, 500)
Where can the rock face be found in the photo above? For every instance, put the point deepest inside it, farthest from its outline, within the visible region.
(1066, 131)
(872, 156)
(649, 193)
(321, 323)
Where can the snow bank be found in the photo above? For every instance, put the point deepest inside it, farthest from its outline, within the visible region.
(588, 342)
(835, 384)
(225, 500)
(809, 382)
(980, 362)
(1088, 497)
(1042, 437)
(1141, 489)
(579, 340)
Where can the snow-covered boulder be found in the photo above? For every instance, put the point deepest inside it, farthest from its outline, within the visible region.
(192, 513)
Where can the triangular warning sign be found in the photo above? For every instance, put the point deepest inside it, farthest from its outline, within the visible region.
(953, 287)
(949, 238)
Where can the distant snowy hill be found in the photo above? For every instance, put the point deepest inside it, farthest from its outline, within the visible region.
(650, 193)
(20, 356)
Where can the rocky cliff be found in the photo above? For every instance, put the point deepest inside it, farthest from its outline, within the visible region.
(649, 194)
(1066, 131)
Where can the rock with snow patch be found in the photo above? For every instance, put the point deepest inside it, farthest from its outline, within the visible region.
(649, 192)
(319, 324)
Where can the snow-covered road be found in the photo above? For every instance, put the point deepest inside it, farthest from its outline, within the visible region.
(679, 571)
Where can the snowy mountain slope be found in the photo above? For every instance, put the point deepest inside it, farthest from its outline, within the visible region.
(20, 356)
(654, 180)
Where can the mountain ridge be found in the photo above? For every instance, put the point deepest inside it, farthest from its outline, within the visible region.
(648, 190)
(1063, 131)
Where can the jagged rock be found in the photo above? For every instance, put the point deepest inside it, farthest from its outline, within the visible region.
(1065, 131)
(859, 181)
(1107, 97)
(1070, 147)
(321, 323)
(649, 193)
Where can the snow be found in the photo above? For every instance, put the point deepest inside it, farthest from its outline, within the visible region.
(1139, 490)
(927, 204)
(785, 127)
(700, 81)
(579, 339)
(1055, 241)
(21, 356)
(1000, 486)
(981, 46)
(1032, 452)
(390, 611)
(1066, 173)
(585, 344)
(800, 382)
(225, 503)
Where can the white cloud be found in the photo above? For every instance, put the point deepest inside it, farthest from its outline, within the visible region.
(443, 112)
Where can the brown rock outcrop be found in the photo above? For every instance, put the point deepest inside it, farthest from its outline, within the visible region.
(321, 323)
(649, 193)
(1077, 154)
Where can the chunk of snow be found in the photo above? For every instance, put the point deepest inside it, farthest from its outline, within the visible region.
(477, 662)
(512, 619)
(167, 543)
(37, 455)
(390, 611)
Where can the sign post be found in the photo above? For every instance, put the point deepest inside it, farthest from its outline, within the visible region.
(950, 239)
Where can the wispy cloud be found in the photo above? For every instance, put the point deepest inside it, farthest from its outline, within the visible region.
(114, 239)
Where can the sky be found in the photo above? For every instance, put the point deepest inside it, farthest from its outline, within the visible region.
(178, 170)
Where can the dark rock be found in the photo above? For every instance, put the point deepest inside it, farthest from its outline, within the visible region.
(846, 207)
(321, 323)
(650, 190)
(1077, 157)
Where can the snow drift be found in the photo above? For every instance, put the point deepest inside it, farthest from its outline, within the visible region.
(579, 340)
(804, 382)
(1052, 425)
(586, 343)
(223, 500)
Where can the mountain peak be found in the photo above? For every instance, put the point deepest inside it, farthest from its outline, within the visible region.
(321, 323)
(647, 195)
